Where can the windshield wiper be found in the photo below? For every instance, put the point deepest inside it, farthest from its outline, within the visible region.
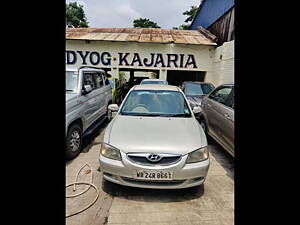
(140, 114)
(176, 115)
(69, 90)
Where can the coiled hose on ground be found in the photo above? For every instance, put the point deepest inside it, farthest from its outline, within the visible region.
(90, 184)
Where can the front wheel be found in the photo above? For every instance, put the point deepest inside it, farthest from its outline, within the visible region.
(74, 141)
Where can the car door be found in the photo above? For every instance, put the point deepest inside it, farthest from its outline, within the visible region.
(226, 125)
(100, 95)
(215, 111)
(107, 90)
(88, 101)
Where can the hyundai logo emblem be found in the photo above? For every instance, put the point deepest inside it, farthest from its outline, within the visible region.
(154, 157)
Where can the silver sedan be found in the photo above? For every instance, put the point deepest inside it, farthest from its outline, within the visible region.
(155, 141)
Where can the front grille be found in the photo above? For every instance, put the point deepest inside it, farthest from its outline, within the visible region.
(155, 182)
(165, 160)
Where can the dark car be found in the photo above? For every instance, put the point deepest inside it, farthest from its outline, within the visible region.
(195, 91)
(132, 81)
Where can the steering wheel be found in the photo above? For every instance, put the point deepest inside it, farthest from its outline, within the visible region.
(141, 106)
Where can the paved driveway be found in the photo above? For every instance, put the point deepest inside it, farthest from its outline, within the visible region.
(211, 205)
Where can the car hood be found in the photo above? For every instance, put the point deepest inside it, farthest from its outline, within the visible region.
(156, 134)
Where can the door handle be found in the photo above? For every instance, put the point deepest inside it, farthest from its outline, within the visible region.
(227, 116)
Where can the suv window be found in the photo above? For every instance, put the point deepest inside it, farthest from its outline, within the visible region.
(221, 95)
(98, 80)
(88, 80)
(106, 81)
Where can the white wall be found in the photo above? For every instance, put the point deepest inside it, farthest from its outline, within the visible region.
(202, 54)
(218, 71)
(223, 68)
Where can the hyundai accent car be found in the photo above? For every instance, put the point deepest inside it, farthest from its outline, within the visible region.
(154, 141)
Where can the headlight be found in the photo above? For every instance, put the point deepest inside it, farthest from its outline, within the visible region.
(110, 152)
(198, 155)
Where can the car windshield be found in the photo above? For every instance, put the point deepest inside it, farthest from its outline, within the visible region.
(198, 89)
(71, 81)
(153, 82)
(155, 103)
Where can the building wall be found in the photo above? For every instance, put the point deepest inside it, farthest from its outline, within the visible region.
(207, 58)
(202, 55)
(223, 28)
(223, 65)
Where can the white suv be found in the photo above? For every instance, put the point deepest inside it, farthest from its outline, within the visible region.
(88, 94)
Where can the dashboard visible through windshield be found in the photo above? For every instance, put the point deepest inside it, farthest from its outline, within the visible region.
(155, 103)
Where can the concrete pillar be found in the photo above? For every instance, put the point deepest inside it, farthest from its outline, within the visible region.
(163, 74)
(115, 72)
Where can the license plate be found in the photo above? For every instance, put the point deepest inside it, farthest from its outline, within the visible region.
(153, 175)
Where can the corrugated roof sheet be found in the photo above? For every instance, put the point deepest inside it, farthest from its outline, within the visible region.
(148, 35)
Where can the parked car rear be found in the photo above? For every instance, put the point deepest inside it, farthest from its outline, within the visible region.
(217, 116)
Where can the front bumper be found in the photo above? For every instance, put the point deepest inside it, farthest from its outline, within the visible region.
(184, 175)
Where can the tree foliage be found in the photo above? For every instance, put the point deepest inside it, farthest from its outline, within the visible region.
(190, 13)
(75, 15)
(144, 23)
(190, 16)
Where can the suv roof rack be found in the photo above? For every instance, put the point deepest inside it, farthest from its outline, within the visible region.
(91, 67)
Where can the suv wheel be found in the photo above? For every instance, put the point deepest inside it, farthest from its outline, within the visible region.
(74, 141)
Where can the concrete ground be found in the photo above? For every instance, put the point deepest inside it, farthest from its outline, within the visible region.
(211, 205)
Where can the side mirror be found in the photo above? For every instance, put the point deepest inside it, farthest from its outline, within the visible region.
(113, 107)
(190, 103)
(197, 110)
(87, 89)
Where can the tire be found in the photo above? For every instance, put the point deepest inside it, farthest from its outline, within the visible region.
(73, 141)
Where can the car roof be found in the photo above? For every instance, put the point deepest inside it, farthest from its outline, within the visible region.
(154, 80)
(197, 82)
(156, 87)
(223, 85)
(85, 68)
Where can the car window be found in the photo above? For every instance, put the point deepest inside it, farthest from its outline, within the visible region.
(194, 89)
(230, 100)
(88, 80)
(106, 81)
(112, 84)
(159, 103)
(221, 95)
(99, 80)
(71, 81)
